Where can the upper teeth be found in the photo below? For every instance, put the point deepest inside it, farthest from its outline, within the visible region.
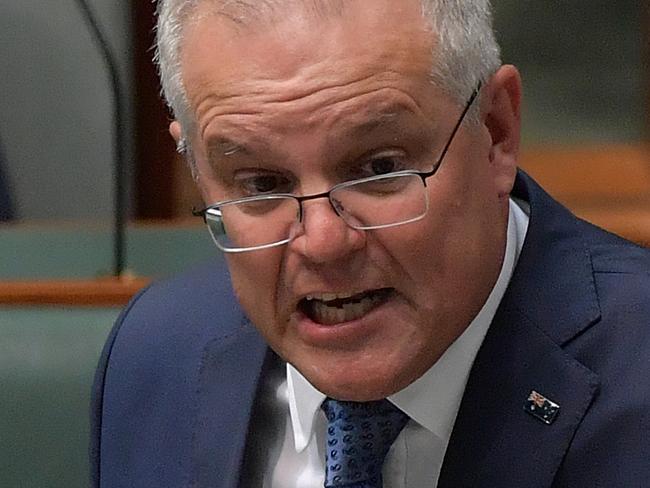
(327, 297)
(326, 310)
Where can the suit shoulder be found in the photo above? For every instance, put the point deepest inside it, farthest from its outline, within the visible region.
(149, 376)
(172, 320)
(613, 254)
(202, 295)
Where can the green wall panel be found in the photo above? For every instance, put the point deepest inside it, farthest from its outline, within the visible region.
(47, 362)
(76, 251)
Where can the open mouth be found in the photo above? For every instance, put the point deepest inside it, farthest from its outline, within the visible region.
(330, 309)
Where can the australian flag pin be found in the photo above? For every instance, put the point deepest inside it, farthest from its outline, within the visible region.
(541, 408)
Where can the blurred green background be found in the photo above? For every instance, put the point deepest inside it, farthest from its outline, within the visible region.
(48, 353)
(47, 358)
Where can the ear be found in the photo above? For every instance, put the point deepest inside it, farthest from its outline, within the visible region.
(176, 131)
(501, 108)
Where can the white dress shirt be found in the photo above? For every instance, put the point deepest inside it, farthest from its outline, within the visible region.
(297, 459)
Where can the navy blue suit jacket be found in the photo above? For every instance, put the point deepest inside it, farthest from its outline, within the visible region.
(177, 379)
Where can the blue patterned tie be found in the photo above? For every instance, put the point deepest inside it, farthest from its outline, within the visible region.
(359, 436)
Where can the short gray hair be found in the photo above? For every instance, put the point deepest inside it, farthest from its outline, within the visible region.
(467, 51)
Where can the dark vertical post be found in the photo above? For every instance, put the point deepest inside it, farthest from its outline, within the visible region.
(155, 152)
(110, 62)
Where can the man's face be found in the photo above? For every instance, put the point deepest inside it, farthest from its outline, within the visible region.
(304, 102)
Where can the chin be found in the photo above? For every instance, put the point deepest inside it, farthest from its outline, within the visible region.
(356, 383)
(362, 391)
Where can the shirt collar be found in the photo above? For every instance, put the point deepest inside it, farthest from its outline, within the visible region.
(304, 402)
(433, 399)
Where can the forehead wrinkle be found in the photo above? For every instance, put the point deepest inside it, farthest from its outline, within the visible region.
(313, 102)
(360, 124)
(270, 90)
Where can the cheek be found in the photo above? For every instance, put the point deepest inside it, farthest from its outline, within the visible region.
(444, 254)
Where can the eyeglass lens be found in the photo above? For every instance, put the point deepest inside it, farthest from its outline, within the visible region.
(367, 204)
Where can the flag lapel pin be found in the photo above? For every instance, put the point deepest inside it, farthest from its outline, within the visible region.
(541, 407)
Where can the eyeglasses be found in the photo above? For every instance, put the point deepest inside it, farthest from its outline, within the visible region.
(377, 202)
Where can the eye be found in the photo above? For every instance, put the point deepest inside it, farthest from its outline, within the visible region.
(381, 164)
(251, 184)
(384, 165)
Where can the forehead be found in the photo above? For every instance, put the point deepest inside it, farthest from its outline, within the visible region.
(301, 59)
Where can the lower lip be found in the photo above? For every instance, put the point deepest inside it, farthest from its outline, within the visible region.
(346, 333)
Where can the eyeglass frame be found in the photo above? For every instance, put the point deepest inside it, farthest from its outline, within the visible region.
(327, 194)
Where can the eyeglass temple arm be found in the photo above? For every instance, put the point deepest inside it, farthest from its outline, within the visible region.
(453, 132)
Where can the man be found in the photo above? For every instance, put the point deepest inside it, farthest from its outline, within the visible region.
(409, 310)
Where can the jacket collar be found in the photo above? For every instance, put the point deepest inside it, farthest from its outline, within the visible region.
(553, 283)
(551, 298)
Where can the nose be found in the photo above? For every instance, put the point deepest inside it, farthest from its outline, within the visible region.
(324, 237)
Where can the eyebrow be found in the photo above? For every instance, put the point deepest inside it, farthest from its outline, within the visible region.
(224, 147)
(376, 119)
(365, 124)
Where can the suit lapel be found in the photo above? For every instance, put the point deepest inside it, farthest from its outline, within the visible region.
(228, 382)
(494, 441)
(551, 298)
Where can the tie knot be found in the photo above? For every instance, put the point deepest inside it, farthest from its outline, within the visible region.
(359, 435)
